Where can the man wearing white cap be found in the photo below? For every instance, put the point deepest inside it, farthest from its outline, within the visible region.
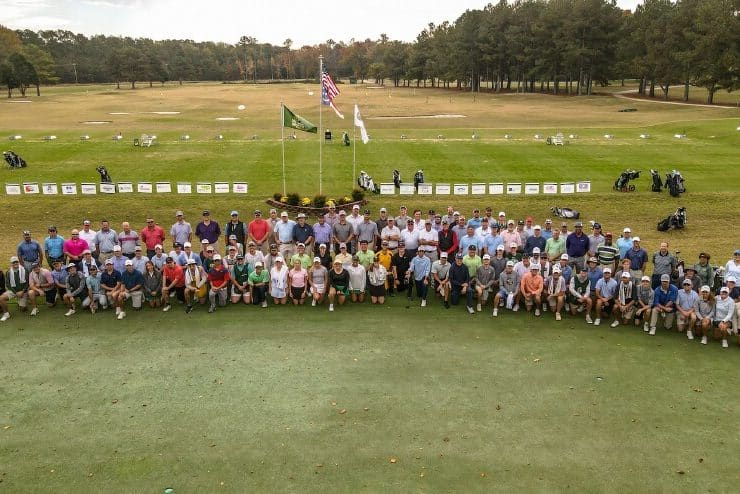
(606, 290)
(624, 243)
(644, 303)
(15, 286)
(237, 227)
(131, 283)
(342, 232)
(638, 258)
(535, 241)
(440, 274)
(428, 241)
(195, 285)
(485, 280)
(685, 305)
(119, 260)
(555, 291)
(724, 309)
(579, 293)
(218, 278)
(664, 304)
(624, 302)
(704, 310)
(531, 287)
(508, 287)
(88, 234)
(555, 245)
(284, 235)
(259, 279)
(181, 231)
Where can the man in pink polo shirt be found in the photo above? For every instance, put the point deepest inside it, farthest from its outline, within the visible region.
(74, 247)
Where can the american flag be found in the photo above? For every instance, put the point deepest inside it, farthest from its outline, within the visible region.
(329, 91)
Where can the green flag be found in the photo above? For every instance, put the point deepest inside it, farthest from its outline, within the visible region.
(290, 119)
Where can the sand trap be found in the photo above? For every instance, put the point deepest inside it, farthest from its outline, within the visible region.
(163, 112)
(119, 113)
(227, 118)
(97, 122)
(19, 101)
(446, 115)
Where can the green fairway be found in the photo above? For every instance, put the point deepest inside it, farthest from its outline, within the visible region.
(368, 399)
(374, 399)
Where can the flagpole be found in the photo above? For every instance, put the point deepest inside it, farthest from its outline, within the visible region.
(321, 128)
(282, 140)
(354, 150)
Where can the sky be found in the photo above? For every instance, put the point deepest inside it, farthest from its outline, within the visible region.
(302, 21)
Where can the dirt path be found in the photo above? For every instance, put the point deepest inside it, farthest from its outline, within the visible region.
(623, 95)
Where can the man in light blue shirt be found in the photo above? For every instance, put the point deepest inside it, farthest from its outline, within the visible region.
(284, 235)
(54, 247)
(420, 268)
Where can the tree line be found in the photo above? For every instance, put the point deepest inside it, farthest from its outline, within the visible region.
(555, 46)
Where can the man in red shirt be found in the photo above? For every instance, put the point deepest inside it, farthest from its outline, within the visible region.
(259, 230)
(173, 280)
(218, 278)
(151, 235)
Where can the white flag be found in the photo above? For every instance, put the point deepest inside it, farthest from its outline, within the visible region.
(359, 123)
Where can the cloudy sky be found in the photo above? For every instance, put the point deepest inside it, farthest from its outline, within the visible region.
(226, 20)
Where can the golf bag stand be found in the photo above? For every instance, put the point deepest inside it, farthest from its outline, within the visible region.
(366, 182)
(104, 175)
(657, 182)
(418, 178)
(566, 213)
(397, 178)
(676, 220)
(13, 160)
(622, 182)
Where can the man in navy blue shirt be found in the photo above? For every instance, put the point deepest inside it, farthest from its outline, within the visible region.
(576, 246)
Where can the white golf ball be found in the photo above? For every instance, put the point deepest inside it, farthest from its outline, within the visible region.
(241, 107)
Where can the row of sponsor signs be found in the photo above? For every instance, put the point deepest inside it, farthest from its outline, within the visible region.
(243, 188)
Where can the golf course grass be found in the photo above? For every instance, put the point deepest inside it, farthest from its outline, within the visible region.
(367, 398)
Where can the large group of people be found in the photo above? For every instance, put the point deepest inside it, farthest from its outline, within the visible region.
(493, 263)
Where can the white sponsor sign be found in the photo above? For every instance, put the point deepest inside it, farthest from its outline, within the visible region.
(144, 187)
(164, 187)
(184, 188)
(125, 187)
(496, 188)
(69, 189)
(13, 189)
(478, 189)
(549, 188)
(88, 189)
(460, 189)
(407, 189)
(424, 190)
(514, 188)
(240, 187)
(387, 189)
(583, 186)
(107, 188)
(442, 189)
(531, 189)
(567, 188)
(221, 187)
(30, 188)
(49, 189)
(203, 188)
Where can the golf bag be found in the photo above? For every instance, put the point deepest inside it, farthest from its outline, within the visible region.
(676, 220)
(622, 183)
(657, 182)
(366, 182)
(567, 213)
(345, 138)
(418, 178)
(674, 183)
(13, 160)
(396, 178)
(104, 175)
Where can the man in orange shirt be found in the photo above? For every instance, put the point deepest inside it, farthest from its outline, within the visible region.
(151, 235)
(173, 280)
(532, 285)
(259, 231)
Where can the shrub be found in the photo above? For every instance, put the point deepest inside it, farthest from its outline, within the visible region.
(277, 196)
(319, 201)
(294, 199)
(358, 194)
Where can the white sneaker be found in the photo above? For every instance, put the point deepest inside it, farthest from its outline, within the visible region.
(703, 340)
(5, 317)
(580, 308)
(166, 308)
(537, 312)
(264, 304)
(423, 303)
(588, 319)
(544, 308)
(121, 315)
(331, 307)
(652, 331)
(597, 321)
(495, 312)
(724, 344)
(118, 310)
(516, 308)
(689, 335)
(478, 308)
(70, 312)
(614, 324)
(313, 303)
(557, 316)
(35, 311)
(567, 307)
(470, 310)
(646, 327)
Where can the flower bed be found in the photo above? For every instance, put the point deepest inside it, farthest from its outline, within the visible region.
(310, 210)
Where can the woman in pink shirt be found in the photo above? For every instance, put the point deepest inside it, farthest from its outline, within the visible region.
(297, 281)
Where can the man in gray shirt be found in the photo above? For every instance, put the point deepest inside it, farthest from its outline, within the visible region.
(663, 263)
(181, 230)
(105, 240)
(367, 230)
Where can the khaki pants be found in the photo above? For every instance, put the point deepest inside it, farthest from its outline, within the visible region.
(667, 320)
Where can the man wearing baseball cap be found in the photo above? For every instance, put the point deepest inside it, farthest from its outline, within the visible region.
(555, 291)
(579, 294)
(531, 288)
(732, 268)
(663, 263)
(704, 313)
(607, 253)
(460, 284)
(181, 231)
(624, 243)
(218, 278)
(259, 280)
(131, 283)
(576, 246)
(16, 282)
(606, 291)
(625, 300)
(151, 236)
(208, 229)
(173, 281)
(508, 287)
(236, 227)
(638, 258)
(303, 234)
(259, 231)
(284, 235)
(440, 276)
(664, 304)
(485, 280)
(686, 306)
